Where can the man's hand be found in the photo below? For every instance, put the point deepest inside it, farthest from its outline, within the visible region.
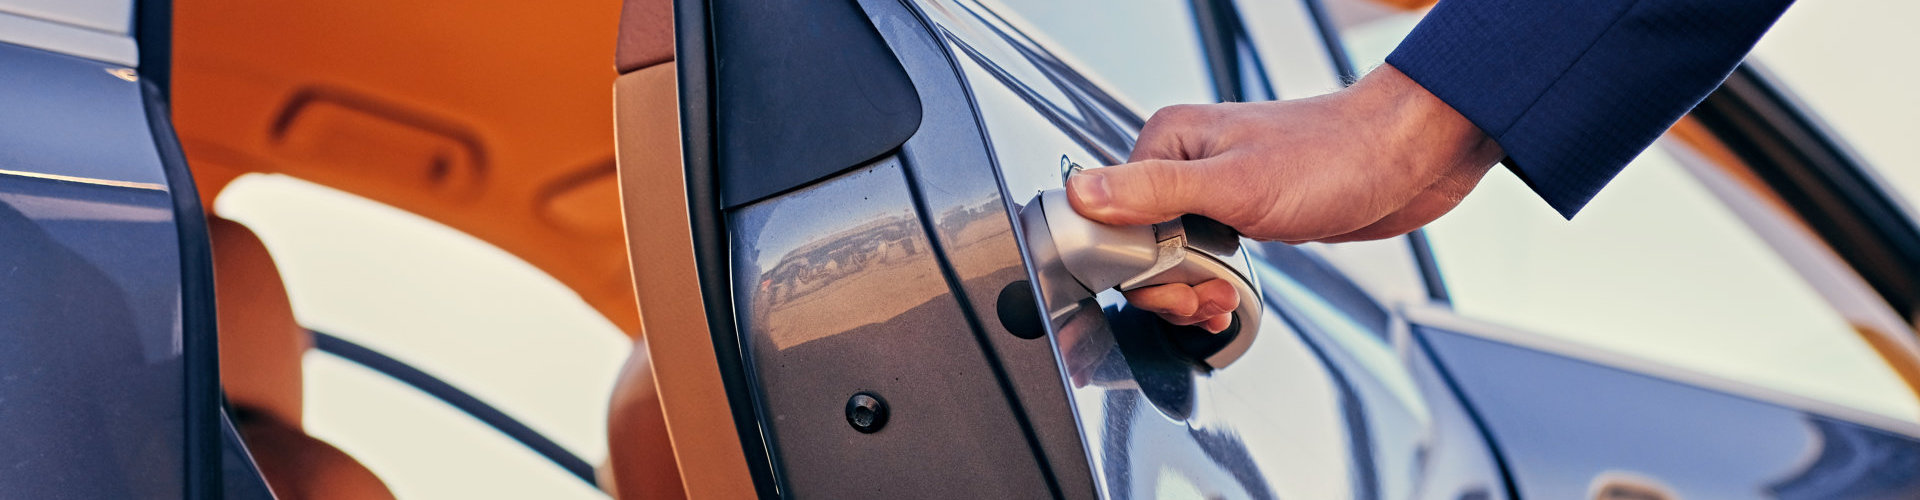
(1376, 160)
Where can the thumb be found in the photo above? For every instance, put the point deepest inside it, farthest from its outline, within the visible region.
(1144, 192)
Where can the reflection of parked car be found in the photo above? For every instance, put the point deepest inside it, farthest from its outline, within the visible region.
(822, 213)
(827, 260)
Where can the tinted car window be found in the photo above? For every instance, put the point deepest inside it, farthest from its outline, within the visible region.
(1146, 52)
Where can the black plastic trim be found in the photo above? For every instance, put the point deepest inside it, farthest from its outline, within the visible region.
(200, 356)
(693, 51)
(809, 90)
(153, 34)
(1822, 181)
(453, 396)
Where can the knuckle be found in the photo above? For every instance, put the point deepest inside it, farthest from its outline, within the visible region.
(1178, 114)
(1167, 114)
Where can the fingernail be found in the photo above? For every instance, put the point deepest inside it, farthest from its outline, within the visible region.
(1090, 188)
(1210, 329)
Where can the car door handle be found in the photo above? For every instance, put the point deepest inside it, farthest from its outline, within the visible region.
(1189, 250)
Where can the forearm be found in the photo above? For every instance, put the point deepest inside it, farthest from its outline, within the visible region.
(1418, 131)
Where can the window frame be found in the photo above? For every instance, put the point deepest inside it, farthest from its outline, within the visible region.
(1824, 183)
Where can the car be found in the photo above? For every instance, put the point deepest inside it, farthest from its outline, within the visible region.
(371, 249)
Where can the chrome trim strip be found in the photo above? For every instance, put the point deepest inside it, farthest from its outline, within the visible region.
(85, 180)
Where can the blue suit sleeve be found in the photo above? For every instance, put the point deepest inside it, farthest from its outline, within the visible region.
(1575, 89)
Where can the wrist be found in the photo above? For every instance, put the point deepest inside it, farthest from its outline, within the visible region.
(1425, 134)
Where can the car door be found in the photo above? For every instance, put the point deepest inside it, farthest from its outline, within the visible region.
(109, 376)
(867, 304)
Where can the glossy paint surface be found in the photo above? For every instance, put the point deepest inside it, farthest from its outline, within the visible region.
(957, 187)
(838, 292)
(1567, 427)
(90, 367)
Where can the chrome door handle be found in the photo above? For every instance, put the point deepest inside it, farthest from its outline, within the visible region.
(1188, 250)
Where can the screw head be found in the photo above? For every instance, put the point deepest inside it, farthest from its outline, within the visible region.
(866, 412)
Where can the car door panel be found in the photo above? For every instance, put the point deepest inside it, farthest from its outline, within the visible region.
(105, 329)
(1574, 428)
(949, 169)
(855, 303)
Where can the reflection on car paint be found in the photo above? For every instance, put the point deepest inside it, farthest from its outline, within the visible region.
(950, 172)
(1104, 125)
(838, 294)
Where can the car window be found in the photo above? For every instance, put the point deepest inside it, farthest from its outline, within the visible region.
(1841, 60)
(419, 446)
(1147, 52)
(1656, 267)
(440, 300)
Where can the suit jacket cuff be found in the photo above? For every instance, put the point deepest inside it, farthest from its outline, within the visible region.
(1574, 90)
